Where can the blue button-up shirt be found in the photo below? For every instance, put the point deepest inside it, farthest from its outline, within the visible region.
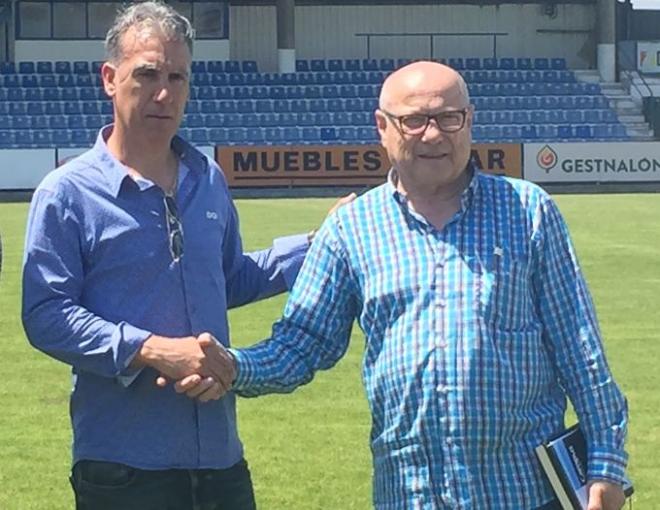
(475, 333)
(99, 279)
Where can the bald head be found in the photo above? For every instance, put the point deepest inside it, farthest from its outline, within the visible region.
(423, 79)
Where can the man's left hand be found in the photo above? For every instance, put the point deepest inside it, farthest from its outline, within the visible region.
(605, 496)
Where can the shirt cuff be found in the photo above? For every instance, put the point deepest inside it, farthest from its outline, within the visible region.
(607, 464)
(290, 253)
(132, 340)
(243, 370)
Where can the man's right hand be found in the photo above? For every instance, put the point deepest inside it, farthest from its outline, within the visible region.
(178, 358)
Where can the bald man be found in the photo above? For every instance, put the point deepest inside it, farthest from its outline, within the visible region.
(478, 321)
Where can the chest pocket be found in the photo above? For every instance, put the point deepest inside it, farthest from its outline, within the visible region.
(504, 290)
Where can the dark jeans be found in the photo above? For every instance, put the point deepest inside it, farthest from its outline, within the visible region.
(111, 486)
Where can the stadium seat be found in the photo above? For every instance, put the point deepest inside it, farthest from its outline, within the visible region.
(457, 63)
(66, 80)
(249, 66)
(328, 134)
(94, 122)
(489, 63)
(218, 136)
(335, 105)
(96, 66)
(214, 120)
(26, 67)
(317, 65)
(33, 108)
(523, 63)
(541, 63)
(24, 137)
(18, 108)
(75, 122)
(335, 64)
(472, 63)
(245, 106)
(236, 79)
(81, 67)
(29, 80)
(367, 134)
(62, 137)
(386, 64)
(214, 66)
(43, 138)
(347, 134)
(323, 119)
(558, 63)
(583, 131)
(232, 66)
(72, 108)
(352, 64)
(62, 67)
(291, 134)
(44, 67)
(370, 64)
(306, 119)
(47, 80)
(529, 133)
(302, 66)
(7, 68)
(274, 135)
(199, 136)
(20, 122)
(311, 134)
(565, 132)
(53, 108)
(255, 135)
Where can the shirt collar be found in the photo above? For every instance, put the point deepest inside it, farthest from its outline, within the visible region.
(467, 196)
(116, 172)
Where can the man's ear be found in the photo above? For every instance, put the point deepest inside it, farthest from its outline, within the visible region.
(109, 73)
(381, 122)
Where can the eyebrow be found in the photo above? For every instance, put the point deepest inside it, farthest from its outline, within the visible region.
(155, 67)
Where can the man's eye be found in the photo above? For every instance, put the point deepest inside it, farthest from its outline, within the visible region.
(414, 121)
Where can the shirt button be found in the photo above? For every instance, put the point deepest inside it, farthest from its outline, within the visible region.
(449, 441)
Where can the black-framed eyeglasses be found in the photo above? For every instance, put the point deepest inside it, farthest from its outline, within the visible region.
(448, 121)
(174, 228)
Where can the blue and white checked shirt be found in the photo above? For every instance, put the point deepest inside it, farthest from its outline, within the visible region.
(475, 334)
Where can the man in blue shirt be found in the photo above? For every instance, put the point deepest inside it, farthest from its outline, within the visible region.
(133, 256)
(477, 318)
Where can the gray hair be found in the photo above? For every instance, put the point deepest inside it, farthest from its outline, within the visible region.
(146, 16)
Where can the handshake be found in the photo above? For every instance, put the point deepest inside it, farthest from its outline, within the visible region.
(200, 366)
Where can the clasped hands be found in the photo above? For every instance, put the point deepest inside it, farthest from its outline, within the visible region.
(199, 366)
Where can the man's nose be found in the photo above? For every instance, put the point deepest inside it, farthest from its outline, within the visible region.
(163, 94)
(432, 131)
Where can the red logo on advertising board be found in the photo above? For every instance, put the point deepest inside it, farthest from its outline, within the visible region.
(546, 158)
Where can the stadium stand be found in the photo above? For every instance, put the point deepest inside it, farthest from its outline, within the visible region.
(62, 104)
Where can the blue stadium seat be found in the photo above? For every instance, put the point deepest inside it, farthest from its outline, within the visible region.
(217, 136)
(401, 62)
(328, 134)
(608, 116)
(367, 134)
(341, 118)
(370, 91)
(317, 65)
(288, 119)
(541, 63)
(194, 120)
(583, 131)
(82, 137)
(302, 66)
(457, 63)
(43, 138)
(269, 119)
(201, 78)
(264, 105)
(72, 108)
(299, 105)
(478, 133)
(35, 94)
(94, 122)
(255, 135)
(20, 122)
(473, 63)
(95, 66)
(352, 104)
(236, 79)
(233, 120)
(199, 136)
(556, 116)
(347, 134)
(512, 132)
(29, 81)
(387, 64)
(7, 138)
(317, 105)
(69, 94)
(18, 108)
(91, 94)
(574, 116)
(335, 104)
(274, 135)
(62, 67)
(506, 63)
(26, 67)
(311, 134)
(352, 64)
(53, 108)
(44, 67)
(370, 104)
(294, 92)
(323, 119)
(214, 120)
(106, 107)
(520, 117)
(328, 91)
(529, 133)
(238, 92)
(288, 78)
(75, 122)
(502, 117)
(281, 106)
(24, 137)
(214, 67)
(489, 63)
(292, 134)
(81, 67)
(47, 80)
(335, 64)
(66, 80)
(306, 119)
(249, 66)
(362, 118)
(558, 63)
(245, 106)
(33, 108)
(254, 79)
(62, 137)
(565, 132)
(370, 64)
(11, 80)
(312, 92)
(524, 63)
(7, 68)
(198, 67)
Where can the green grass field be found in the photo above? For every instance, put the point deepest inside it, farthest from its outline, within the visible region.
(309, 450)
